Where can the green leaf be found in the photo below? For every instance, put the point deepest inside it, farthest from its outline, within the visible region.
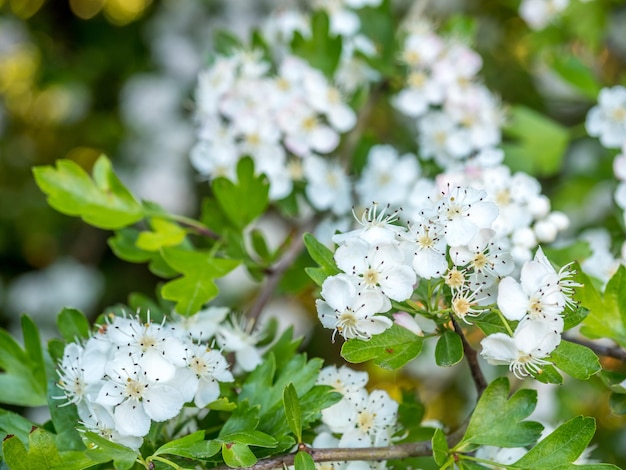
(12, 423)
(124, 245)
(226, 43)
(440, 447)
(498, 419)
(449, 349)
(244, 201)
(41, 454)
(238, 455)
(390, 350)
(571, 69)
(64, 419)
(251, 438)
(564, 445)
(103, 202)
(548, 375)
(607, 315)
(22, 381)
(196, 286)
(181, 446)
(576, 360)
(204, 449)
(72, 324)
(321, 254)
(245, 417)
(222, 404)
(260, 245)
(304, 461)
(540, 142)
(575, 318)
(490, 323)
(321, 50)
(123, 457)
(164, 233)
(293, 411)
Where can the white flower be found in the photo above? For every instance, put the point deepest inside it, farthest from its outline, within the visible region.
(463, 212)
(98, 420)
(387, 177)
(373, 423)
(351, 384)
(426, 247)
(539, 13)
(327, 186)
(483, 255)
(378, 267)
(607, 120)
(526, 351)
(153, 346)
(205, 368)
(240, 338)
(137, 399)
(349, 312)
(201, 326)
(376, 227)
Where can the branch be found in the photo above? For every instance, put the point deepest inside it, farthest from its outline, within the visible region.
(342, 454)
(601, 350)
(275, 273)
(472, 360)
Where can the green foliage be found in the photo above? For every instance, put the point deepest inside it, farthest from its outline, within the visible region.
(304, 461)
(578, 361)
(293, 411)
(440, 447)
(102, 201)
(573, 71)
(607, 314)
(449, 349)
(322, 50)
(562, 447)
(196, 287)
(164, 233)
(122, 456)
(323, 257)
(23, 380)
(124, 245)
(245, 200)
(389, 350)
(73, 324)
(497, 419)
(539, 142)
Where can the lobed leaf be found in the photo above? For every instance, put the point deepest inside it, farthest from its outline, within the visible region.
(498, 419)
(576, 360)
(103, 201)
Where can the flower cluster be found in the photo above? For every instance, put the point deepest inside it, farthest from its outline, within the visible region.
(360, 419)
(607, 121)
(456, 116)
(537, 301)
(451, 240)
(130, 373)
(282, 120)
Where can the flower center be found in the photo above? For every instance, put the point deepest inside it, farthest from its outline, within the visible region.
(480, 261)
(461, 306)
(199, 366)
(365, 421)
(503, 197)
(147, 342)
(417, 80)
(455, 279)
(425, 241)
(134, 389)
(370, 277)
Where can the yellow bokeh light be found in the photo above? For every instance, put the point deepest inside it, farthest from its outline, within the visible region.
(24, 9)
(17, 70)
(121, 12)
(86, 9)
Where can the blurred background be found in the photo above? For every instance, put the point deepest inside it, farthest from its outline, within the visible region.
(79, 78)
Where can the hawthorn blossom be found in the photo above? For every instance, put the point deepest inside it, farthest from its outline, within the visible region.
(426, 247)
(463, 212)
(525, 353)
(378, 267)
(607, 120)
(350, 312)
(376, 226)
(373, 423)
(539, 13)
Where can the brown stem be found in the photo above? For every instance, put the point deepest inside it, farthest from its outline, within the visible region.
(472, 360)
(275, 273)
(601, 350)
